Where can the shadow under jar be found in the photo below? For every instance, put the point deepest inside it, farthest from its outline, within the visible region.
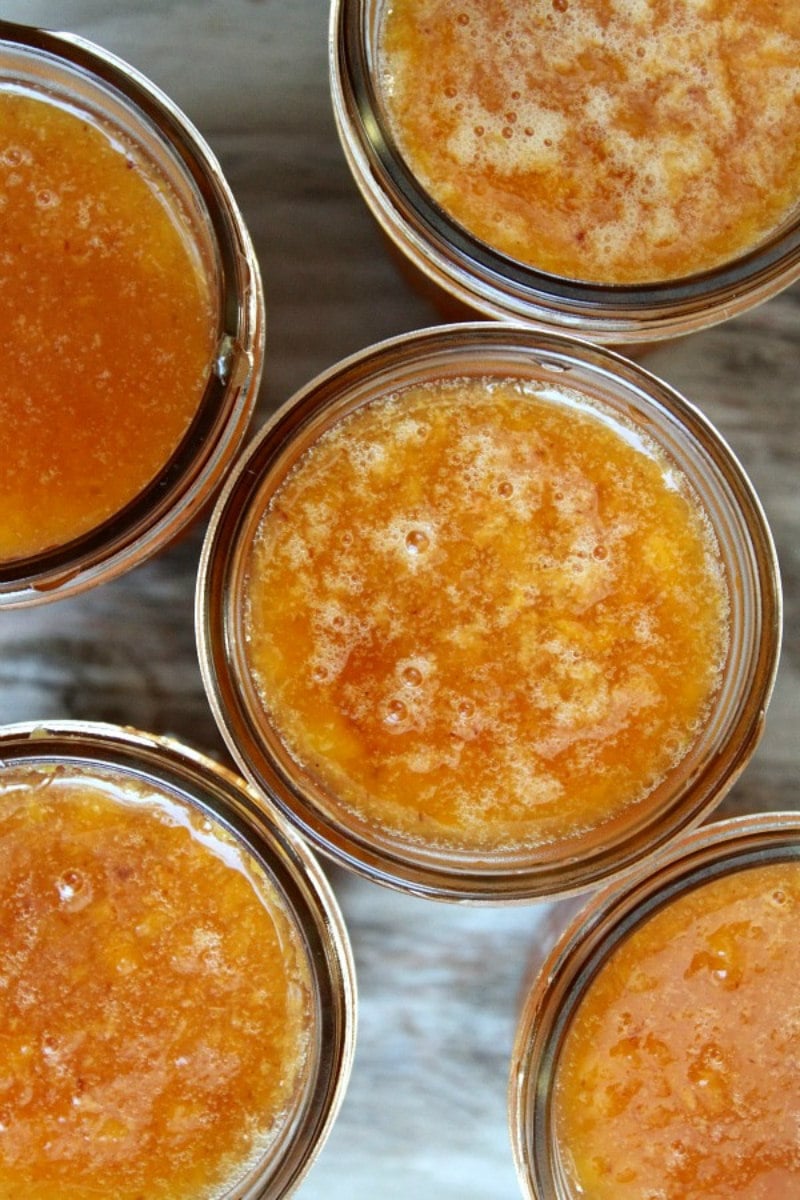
(656, 1055)
(178, 989)
(490, 615)
(618, 175)
(132, 312)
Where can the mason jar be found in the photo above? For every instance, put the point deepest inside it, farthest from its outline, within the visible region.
(133, 312)
(439, 602)
(653, 1053)
(442, 110)
(194, 1011)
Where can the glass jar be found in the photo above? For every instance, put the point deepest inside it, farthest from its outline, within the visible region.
(184, 832)
(134, 136)
(685, 938)
(466, 274)
(630, 399)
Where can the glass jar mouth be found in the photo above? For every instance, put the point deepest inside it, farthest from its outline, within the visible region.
(702, 856)
(488, 349)
(92, 82)
(133, 759)
(489, 281)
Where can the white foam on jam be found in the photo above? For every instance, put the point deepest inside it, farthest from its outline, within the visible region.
(456, 613)
(635, 116)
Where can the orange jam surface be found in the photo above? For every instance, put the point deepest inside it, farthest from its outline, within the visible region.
(618, 141)
(679, 1076)
(484, 615)
(108, 324)
(154, 996)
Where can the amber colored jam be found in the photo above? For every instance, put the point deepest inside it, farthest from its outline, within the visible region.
(154, 995)
(108, 324)
(679, 1078)
(617, 141)
(485, 614)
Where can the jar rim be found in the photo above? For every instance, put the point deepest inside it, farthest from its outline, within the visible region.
(490, 349)
(54, 63)
(493, 283)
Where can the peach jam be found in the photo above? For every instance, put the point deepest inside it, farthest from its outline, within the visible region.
(678, 1076)
(154, 994)
(613, 141)
(485, 614)
(108, 317)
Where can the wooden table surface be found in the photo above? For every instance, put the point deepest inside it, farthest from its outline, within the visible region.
(425, 1114)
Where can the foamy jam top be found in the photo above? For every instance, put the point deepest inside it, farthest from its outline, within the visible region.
(618, 141)
(485, 615)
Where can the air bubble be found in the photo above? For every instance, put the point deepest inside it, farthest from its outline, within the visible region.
(600, 553)
(463, 18)
(74, 890)
(412, 676)
(505, 489)
(417, 541)
(46, 199)
(396, 712)
(561, 5)
(673, 746)
(69, 883)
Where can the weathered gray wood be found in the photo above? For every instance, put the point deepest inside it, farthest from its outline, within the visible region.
(425, 1114)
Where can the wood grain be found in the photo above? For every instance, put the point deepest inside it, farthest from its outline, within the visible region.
(425, 1113)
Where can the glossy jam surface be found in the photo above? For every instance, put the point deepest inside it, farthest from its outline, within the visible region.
(618, 141)
(154, 995)
(484, 615)
(678, 1079)
(108, 324)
